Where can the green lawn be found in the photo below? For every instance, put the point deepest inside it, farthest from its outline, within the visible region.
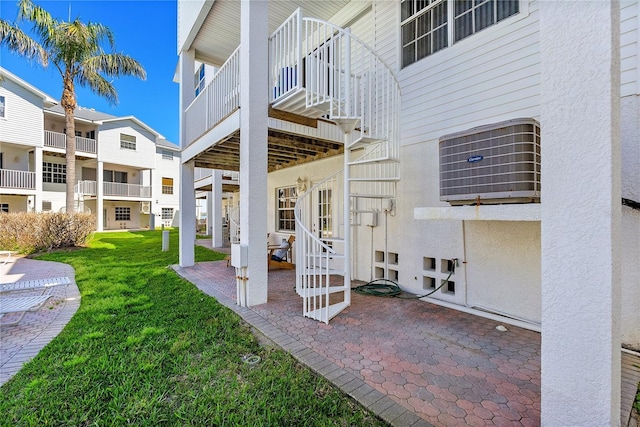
(147, 348)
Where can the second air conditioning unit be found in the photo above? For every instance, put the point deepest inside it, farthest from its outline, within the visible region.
(497, 163)
(145, 207)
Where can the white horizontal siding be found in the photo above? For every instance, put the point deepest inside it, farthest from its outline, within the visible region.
(491, 76)
(629, 47)
(109, 150)
(387, 25)
(24, 121)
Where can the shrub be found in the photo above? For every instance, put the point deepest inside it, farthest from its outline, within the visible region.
(29, 232)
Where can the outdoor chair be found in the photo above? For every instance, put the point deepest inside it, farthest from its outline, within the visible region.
(20, 304)
(286, 262)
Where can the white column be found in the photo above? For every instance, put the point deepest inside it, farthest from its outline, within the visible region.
(209, 209)
(37, 160)
(187, 215)
(100, 196)
(581, 204)
(253, 145)
(214, 209)
(187, 209)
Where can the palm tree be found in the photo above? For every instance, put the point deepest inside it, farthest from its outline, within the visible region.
(76, 51)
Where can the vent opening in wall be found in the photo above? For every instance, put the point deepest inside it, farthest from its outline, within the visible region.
(497, 163)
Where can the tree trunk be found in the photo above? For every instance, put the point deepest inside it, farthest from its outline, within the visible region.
(68, 102)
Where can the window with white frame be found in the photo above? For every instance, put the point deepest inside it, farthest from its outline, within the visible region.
(167, 155)
(167, 185)
(123, 213)
(55, 173)
(167, 214)
(431, 25)
(128, 142)
(286, 198)
(198, 80)
(4, 207)
(2, 107)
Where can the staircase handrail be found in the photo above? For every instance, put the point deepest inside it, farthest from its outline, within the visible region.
(300, 227)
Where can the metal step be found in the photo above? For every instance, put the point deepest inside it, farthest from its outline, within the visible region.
(364, 141)
(319, 292)
(296, 102)
(390, 179)
(324, 314)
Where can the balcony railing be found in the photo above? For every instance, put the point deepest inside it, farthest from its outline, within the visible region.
(220, 98)
(20, 180)
(59, 140)
(111, 189)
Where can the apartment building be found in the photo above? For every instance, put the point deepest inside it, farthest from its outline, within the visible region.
(125, 170)
(491, 144)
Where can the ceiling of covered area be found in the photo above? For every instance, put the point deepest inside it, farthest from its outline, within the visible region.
(219, 34)
(284, 150)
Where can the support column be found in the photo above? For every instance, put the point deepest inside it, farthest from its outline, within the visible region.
(581, 206)
(253, 145)
(37, 167)
(100, 196)
(214, 209)
(187, 215)
(209, 208)
(187, 210)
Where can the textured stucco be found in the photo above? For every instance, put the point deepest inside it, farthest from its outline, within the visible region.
(580, 213)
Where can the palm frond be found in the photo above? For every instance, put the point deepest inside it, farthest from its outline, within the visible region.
(42, 20)
(19, 42)
(115, 65)
(98, 84)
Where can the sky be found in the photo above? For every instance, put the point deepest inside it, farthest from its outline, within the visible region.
(144, 30)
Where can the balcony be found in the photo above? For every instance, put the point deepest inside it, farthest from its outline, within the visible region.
(17, 180)
(59, 140)
(113, 189)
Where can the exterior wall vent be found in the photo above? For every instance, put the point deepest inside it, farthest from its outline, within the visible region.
(491, 164)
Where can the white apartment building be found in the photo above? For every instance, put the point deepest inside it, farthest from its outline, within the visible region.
(398, 139)
(125, 170)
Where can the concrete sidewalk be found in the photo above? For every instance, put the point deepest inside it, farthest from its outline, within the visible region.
(22, 342)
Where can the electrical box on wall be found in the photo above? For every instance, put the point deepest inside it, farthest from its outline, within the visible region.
(370, 219)
(239, 255)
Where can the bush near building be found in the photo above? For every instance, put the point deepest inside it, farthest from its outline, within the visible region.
(28, 232)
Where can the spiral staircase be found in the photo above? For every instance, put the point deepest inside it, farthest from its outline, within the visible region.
(323, 71)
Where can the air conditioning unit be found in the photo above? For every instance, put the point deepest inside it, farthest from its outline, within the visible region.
(145, 207)
(491, 164)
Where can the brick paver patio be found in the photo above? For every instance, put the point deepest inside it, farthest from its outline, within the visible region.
(402, 358)
(22, 342)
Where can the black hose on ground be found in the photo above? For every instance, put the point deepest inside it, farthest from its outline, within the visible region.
(389, 288)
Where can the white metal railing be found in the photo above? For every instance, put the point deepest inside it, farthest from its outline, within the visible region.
(220, 98)
(320, 233)
(234, 225)
(22, 180)
(59, 140)
(86, 188)
(339, 72)
(89, 188)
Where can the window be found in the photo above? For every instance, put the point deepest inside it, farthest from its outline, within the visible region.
(167, 214)
(115, 176)
(127, 142)
(198, 80)
(167, 155)
(286, 200)
(123, 213)
(167, 185)
(4, 207)
(425, 23)
(2, 107)
(91, 134)
(55, 173)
